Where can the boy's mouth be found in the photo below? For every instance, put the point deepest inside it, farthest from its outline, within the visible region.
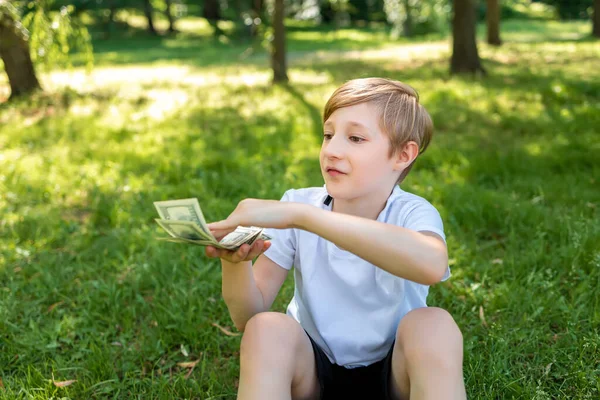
(334, 172)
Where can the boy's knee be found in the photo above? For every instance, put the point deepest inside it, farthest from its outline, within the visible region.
(430, 335)
(267, 321)
(268, 330)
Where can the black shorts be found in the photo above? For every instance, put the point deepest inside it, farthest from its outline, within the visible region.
(365, 383)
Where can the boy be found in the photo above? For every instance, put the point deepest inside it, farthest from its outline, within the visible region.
(364, 254)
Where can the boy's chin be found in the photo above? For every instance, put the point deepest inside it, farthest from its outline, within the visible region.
(335, 192)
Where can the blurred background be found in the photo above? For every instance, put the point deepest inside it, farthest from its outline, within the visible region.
(109, 105)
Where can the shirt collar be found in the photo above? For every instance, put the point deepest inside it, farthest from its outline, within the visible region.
(396, 192)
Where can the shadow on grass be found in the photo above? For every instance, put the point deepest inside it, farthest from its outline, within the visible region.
(315, 114)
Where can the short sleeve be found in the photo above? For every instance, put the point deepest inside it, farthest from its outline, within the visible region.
(425, 217)
(283, 242)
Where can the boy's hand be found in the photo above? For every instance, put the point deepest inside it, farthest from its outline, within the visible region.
(244, 253)
(262, 213)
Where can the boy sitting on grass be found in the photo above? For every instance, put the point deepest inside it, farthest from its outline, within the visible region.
(364, 252)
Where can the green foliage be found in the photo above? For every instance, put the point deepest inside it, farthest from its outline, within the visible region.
(89, 294)
(423, 16)
(8, 9)
(508, 9)
(11, 14)
(571, 9)
(53, 36)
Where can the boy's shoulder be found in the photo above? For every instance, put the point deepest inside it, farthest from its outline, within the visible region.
(412, 211)
(404, 198)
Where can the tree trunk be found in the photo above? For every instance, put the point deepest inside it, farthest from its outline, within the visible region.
(212, 13)
(110, 22)
(211, 10)
(14, 51)
(465, 58)
(238, 6)
(169, 15)
(256, 12)
(327, 12)
(278, 61)
(148, 10)
(596, 17)
(257, 7)
(493, 22)
(407, 26)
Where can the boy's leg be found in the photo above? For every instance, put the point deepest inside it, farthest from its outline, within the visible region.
(276, 360)
(427, 357)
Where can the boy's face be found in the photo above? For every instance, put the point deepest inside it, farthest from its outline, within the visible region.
(354, 155)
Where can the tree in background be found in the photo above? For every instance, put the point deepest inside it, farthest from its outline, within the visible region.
(257, 16)
(169, 15)
(148, 11)
(493, 22)
(14, 51)
(212, 13)
(337, 12)
(570, 9)
(596, 19)
(465, 58)
(578, 9)
(359, 10)
(110, 18)
(348, 11)
(412, 17)
(250, 15)
(278, 57)
(31, 36)
(401, 15)
(104, 11)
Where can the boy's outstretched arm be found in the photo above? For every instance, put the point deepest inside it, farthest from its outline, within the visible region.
(418, 256)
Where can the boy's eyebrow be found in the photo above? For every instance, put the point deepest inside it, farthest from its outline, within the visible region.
(350, 123)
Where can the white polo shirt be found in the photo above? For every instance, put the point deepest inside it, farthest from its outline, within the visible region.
(350, 307)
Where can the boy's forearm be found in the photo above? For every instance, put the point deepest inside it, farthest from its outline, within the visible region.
(240, 292)
(399, 251)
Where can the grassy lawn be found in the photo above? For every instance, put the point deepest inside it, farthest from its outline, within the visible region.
(88, 294)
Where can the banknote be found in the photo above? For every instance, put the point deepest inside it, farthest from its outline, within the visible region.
(184, 222)
(188, 232)
(184, 229)
(183, 210)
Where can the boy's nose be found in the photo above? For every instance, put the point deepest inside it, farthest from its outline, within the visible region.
(334, 148)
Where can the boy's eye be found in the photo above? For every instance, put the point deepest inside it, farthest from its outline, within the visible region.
(327, 136)
(356, 139)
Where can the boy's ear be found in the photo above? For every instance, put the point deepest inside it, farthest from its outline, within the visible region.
(406, 155)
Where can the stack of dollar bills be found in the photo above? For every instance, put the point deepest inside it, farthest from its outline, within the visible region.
(184, 222)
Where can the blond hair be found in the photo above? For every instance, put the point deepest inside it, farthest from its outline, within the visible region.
(401, 117)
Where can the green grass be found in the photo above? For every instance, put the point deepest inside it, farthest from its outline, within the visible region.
(87, 293)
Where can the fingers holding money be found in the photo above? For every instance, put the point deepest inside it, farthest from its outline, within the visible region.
(262, 213)
(259, 247)
(244, 253)
(219, 233)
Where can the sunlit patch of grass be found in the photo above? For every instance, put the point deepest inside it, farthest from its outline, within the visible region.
(198, 26)
(542, 31)
(359, 38)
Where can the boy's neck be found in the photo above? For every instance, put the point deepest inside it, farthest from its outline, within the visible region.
(366, 206)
